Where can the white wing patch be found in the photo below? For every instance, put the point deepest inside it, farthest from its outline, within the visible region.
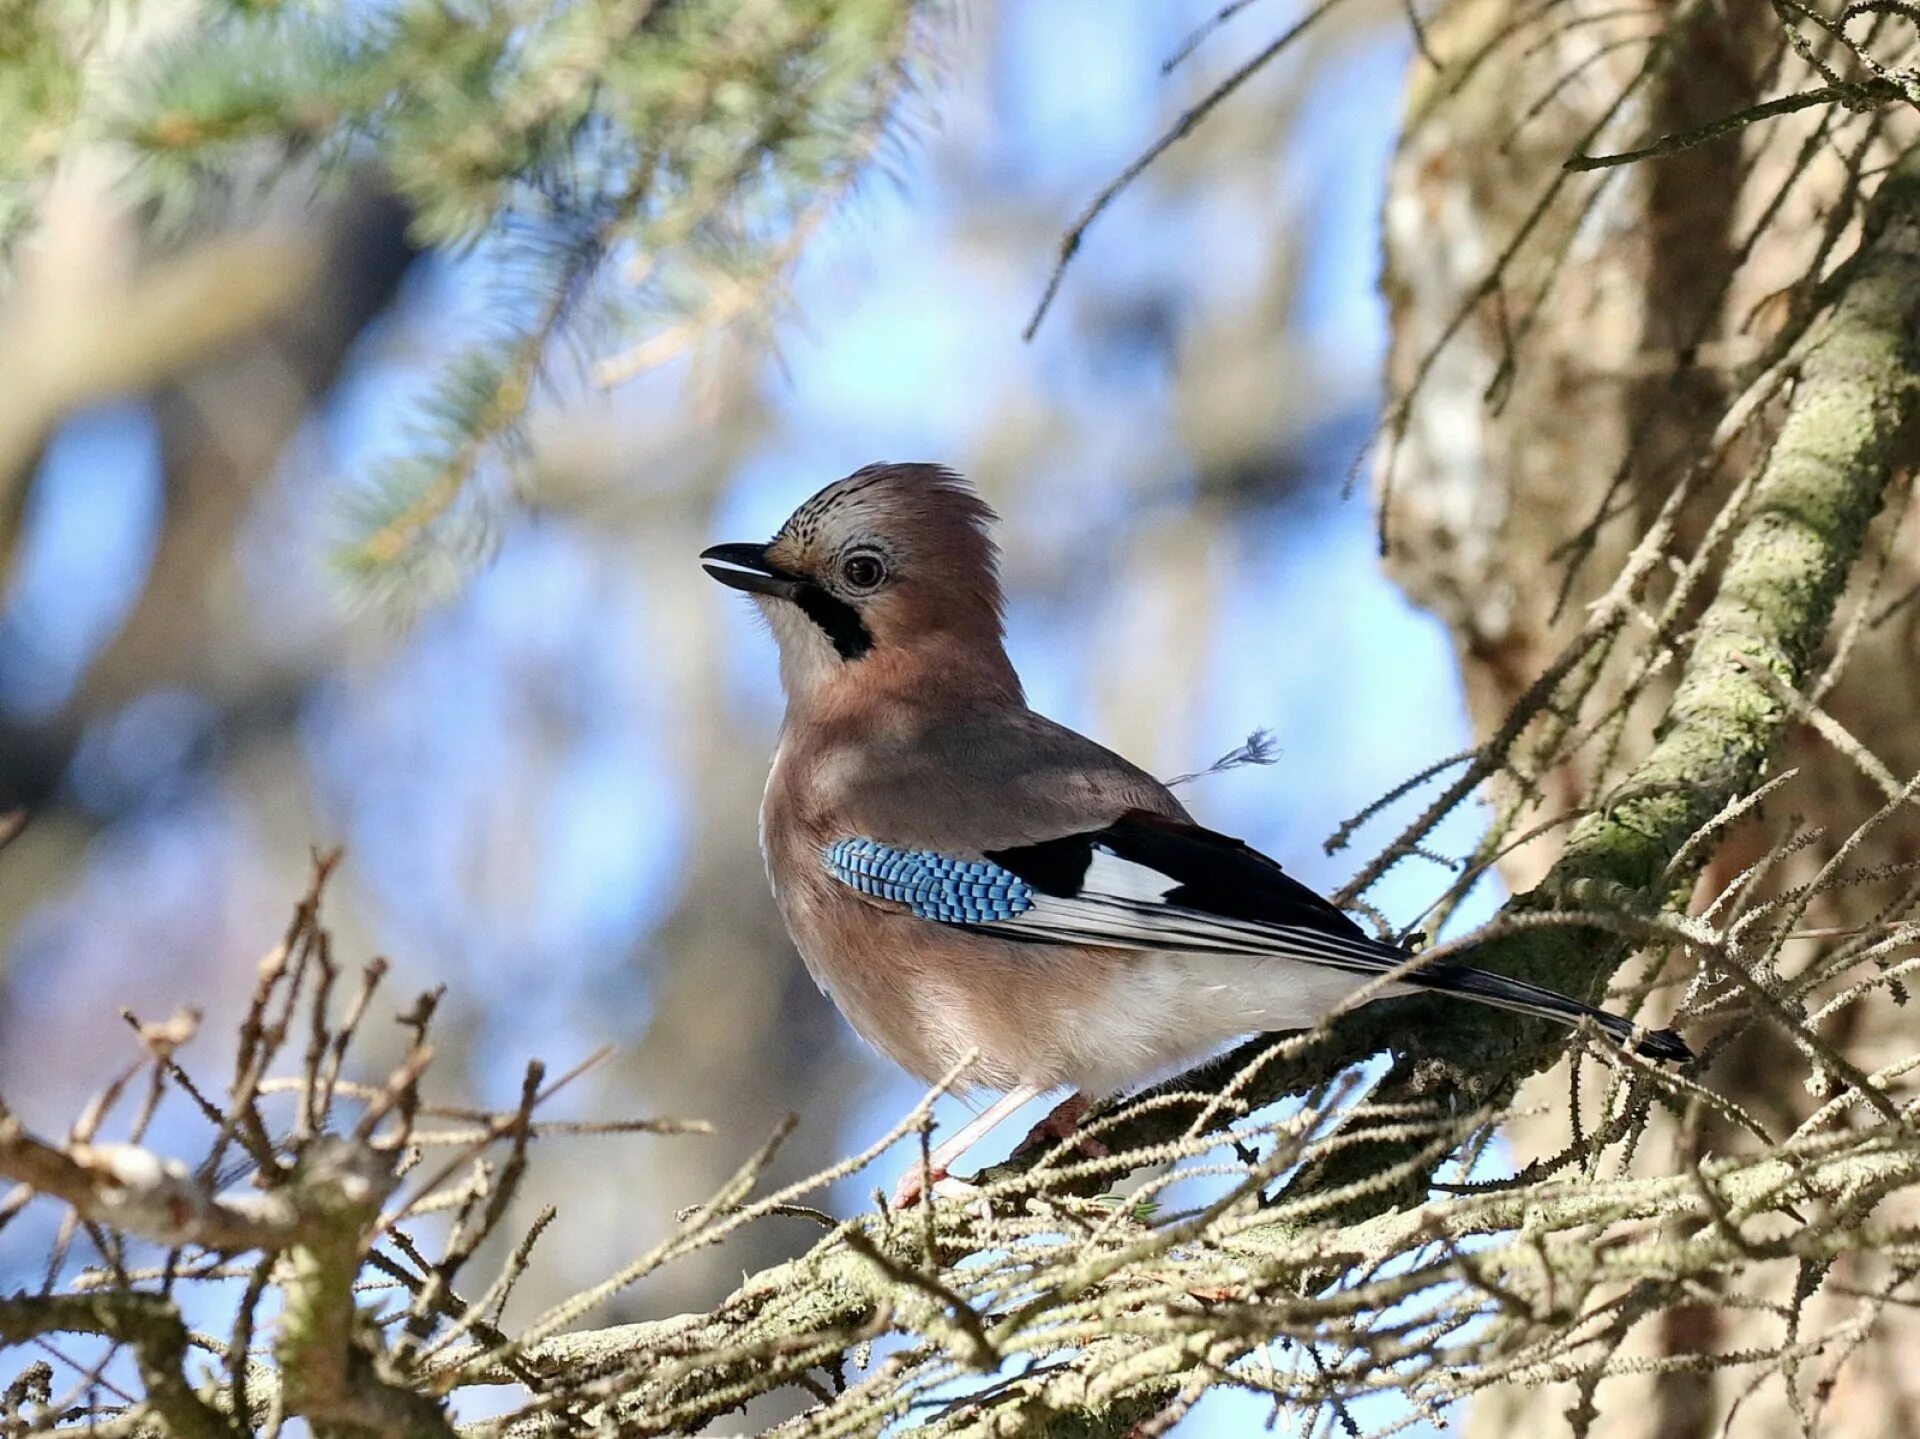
(1123, 903)
(1110, 877)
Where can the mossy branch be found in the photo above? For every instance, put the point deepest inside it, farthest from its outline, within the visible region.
(149, 1325)
(1845, 433)
(1084, 1316)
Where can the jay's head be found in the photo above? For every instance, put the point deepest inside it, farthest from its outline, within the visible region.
(887, 571)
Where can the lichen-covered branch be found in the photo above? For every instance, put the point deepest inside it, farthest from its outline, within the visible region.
(335, 1371)
(1055, 1313)
(1849, 417)
(141, 1193)
(148, 1324)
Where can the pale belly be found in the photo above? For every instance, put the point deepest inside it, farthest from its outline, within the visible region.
(1163, 1013)
(1048, 1017)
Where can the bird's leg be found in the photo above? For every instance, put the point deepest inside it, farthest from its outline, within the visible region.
(907, 1192)
(1060, 1124)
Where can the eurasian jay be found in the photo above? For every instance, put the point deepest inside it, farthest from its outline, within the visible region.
(962, 875)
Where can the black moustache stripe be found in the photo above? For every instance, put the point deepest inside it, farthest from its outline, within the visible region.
(838, 620)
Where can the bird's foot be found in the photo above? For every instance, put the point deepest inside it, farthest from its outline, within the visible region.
(1060, 1125)
(914, 1183)
(907, 1193)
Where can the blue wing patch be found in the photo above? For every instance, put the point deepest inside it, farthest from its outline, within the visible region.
(933, 885)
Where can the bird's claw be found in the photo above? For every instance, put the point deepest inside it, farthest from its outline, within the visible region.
(1061, 1125)
(912, 1186)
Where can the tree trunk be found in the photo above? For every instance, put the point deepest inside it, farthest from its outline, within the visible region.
(1565, 346)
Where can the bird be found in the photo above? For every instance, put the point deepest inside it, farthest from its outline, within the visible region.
(980, 889)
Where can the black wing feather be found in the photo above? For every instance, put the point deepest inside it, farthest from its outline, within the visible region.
(1216, 874)
(1218, 878)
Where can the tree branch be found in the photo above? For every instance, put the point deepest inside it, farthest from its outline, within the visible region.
(146, 1322)
(138, 1192)
(1844, 434)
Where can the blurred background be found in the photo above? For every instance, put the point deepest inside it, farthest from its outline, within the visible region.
(546, 782)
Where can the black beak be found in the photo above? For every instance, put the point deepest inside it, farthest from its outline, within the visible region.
(745, 567)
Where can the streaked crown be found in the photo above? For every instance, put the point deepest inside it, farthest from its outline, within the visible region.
(895, 560)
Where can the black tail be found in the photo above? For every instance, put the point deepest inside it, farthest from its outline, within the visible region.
(1363, 954)
(1518, 995)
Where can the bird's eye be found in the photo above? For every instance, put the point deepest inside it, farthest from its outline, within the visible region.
(863, 571)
